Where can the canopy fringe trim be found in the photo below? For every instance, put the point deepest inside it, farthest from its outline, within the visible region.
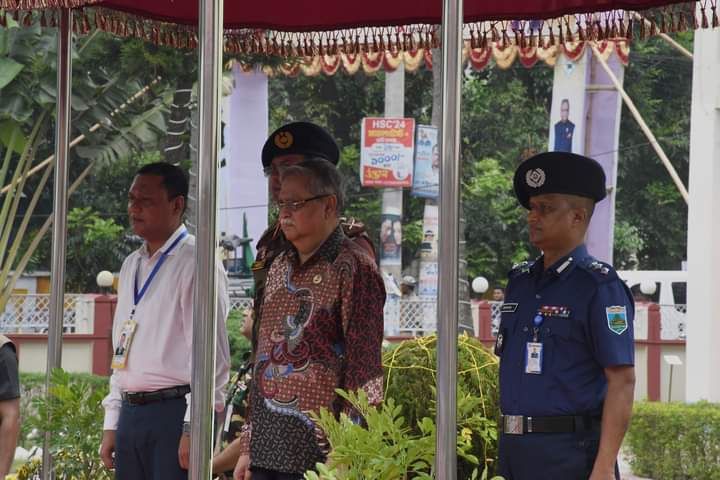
(521, 34)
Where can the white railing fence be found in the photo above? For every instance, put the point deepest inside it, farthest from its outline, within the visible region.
(29, 313)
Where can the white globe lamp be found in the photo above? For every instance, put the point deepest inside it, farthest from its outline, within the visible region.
(104, 279)
(648, 287)
(480, 285)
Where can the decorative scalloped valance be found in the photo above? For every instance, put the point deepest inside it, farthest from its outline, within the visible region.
(165, 22)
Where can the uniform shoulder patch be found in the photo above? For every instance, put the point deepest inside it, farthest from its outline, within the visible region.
(617, 320)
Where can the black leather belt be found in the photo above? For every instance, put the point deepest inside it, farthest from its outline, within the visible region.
(142, 398)
(521, 425)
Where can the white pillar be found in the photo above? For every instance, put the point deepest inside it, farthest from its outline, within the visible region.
(703, 330)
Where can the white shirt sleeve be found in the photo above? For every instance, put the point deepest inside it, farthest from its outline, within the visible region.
(112, 404)
(113, 401)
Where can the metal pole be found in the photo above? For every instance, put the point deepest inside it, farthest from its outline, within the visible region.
(452, 29)
(204, 324)
(57, 272)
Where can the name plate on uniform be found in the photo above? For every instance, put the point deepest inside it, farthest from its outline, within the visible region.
(508, 307)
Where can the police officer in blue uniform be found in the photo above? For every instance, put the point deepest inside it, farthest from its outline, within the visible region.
(566, 336)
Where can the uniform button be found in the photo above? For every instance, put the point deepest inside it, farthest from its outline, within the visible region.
(525, 329)
(537, 295)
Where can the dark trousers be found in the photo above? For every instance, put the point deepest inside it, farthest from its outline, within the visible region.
(147, 441)
(549, 456)
(262, 474)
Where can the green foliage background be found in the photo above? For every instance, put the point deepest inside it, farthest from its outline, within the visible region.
(504, 118)
(675, 441)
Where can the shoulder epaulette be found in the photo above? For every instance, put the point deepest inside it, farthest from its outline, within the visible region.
(600, 270)
(520, 268)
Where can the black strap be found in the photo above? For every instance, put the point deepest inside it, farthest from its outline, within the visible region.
(558, 424)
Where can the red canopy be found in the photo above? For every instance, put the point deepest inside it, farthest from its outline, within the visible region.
(296, 28)
(321, 15)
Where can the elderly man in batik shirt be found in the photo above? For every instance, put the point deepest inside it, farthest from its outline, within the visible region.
(322, 329)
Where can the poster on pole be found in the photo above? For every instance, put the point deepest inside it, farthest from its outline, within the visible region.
(427, 286)
(390, 239)
(426, 176)
(386, 152)
(568, 111)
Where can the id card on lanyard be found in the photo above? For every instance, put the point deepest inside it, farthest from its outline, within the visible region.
(534, 349)
(129, 327)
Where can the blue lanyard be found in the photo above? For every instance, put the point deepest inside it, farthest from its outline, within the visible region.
(139, 295)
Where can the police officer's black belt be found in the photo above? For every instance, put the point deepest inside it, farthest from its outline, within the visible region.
(521, 425)
(142, 398)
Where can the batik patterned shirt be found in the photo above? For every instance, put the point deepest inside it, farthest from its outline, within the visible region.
(322, 329)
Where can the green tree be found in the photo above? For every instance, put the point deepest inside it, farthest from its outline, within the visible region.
(504, 119)
(657, 81)
(110, 125)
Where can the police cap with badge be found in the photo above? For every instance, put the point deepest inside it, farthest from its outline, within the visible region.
(559, 172)
(300, 138)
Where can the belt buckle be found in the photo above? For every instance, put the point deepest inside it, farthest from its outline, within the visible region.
(513, 424)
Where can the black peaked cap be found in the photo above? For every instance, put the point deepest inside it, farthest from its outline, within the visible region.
(559, 172)
(300, 138)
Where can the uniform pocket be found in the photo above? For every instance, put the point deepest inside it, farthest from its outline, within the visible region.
(558, 327)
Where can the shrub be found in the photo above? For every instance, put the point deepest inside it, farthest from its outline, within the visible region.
(675, 440)
(74, 414)
(385, 450)
(32, 386)
(410, 373)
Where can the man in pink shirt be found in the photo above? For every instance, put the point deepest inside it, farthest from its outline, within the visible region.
(147, 412)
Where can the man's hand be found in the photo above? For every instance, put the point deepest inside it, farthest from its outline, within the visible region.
(242, 469)
(184, 451)
(602, 475)
(107, 449)
(615, 419)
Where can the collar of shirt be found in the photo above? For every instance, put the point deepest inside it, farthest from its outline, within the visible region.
(328, 250)
(562, 267)
(143, 250)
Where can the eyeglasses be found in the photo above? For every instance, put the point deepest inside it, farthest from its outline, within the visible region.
(298, 204)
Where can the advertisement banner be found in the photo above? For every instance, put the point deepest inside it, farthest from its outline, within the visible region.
(426, 176)
(602, 143)
(242, 186)
(390, 239)
(427, 284)
(386, 152)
